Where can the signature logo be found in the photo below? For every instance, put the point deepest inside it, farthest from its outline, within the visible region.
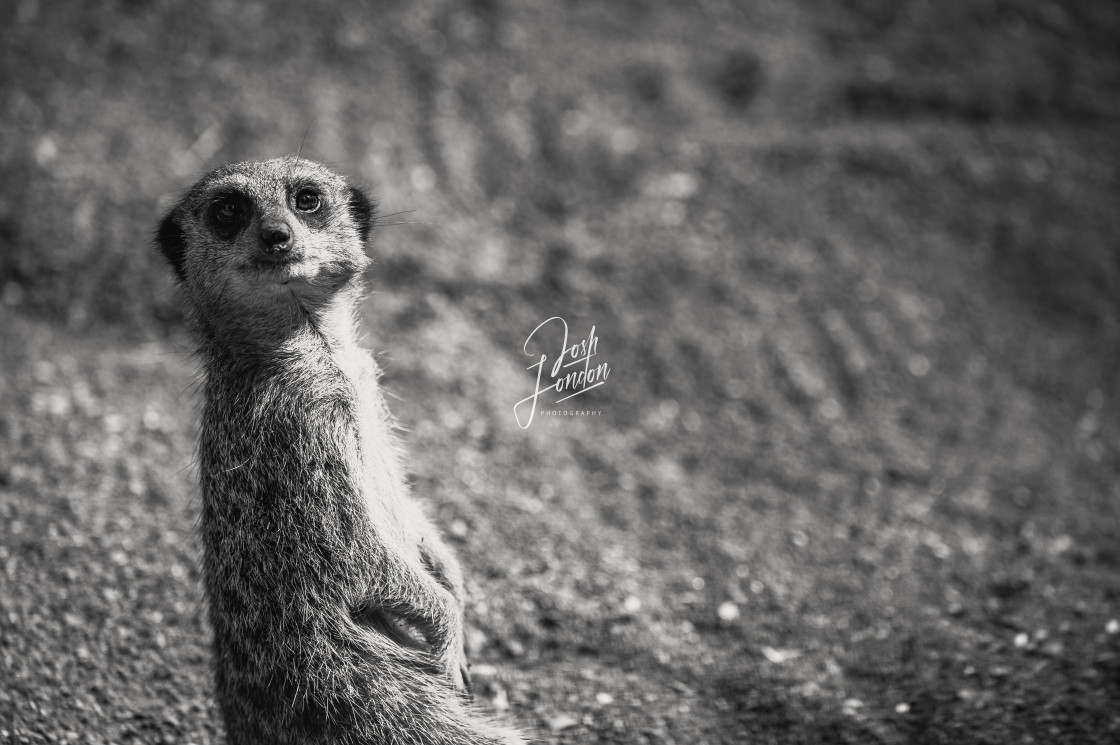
(571, 375)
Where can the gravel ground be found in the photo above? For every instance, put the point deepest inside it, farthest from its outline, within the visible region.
(854, 270)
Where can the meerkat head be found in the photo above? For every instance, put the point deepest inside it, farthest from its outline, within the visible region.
(279, 237)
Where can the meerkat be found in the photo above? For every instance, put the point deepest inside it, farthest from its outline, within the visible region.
(336, 608)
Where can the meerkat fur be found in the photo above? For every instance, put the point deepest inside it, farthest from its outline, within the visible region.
(335, 605)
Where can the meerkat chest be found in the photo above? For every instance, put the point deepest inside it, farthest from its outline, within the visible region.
(384, 489)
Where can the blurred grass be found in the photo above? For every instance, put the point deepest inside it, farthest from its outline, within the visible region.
(854, 267)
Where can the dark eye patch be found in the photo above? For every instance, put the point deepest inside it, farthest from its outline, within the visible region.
(227, 214)
(309, 202)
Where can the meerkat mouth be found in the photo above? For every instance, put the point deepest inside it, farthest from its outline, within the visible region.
(283, 273)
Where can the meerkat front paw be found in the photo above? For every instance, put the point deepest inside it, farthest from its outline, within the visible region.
(451, 659)
(459, 670)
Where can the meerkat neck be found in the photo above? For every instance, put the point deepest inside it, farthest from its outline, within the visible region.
(285, 337)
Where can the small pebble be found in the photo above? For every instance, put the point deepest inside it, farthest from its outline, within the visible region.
(728, 612)
(778, 656)
(561, 722)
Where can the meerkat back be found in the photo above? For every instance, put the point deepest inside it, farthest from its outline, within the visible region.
(335, 605)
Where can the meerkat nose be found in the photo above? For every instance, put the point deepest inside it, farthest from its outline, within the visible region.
(276, 240)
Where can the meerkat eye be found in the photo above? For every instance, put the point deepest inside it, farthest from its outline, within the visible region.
(226, 210)
(307, 200)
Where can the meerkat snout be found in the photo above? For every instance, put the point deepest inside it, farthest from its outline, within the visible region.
(276, 240)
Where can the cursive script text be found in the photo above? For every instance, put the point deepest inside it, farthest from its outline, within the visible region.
(571, 373)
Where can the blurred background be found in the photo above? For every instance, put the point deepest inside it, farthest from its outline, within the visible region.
(854, 266)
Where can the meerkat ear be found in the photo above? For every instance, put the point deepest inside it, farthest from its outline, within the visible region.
(172, 244)
(362, 210)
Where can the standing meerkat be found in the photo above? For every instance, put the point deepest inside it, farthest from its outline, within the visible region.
(336, 607)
